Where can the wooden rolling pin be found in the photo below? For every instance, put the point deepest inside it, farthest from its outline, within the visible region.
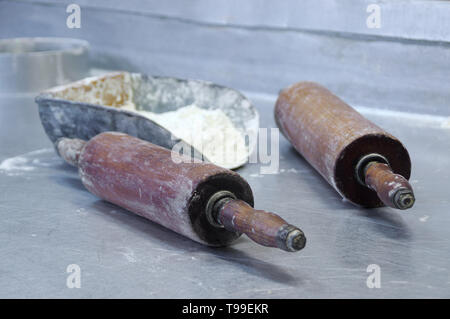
(204, 202)
(365, 164)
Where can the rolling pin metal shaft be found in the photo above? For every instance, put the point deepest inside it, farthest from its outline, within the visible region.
(204, 202)
(365, 164)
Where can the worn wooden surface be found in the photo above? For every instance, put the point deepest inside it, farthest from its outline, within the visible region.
(265, 228)
(155, 188)
(142, 177)
(332, 137)
(381, 179)
(70, 149)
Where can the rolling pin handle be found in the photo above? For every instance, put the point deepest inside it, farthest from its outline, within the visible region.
(374, 171)
(70, 149)
(264, 228)
(393, 189)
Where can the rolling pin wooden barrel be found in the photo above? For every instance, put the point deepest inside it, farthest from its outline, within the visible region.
(202, 201)
(365, 164)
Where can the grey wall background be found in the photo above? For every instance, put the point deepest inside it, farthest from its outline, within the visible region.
(263, 46)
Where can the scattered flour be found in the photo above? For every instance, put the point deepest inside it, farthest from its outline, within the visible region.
(128, 253)
(209, 131)
(256, 175)
(290, 170)
(81, 211)
(17, 165)
(446, 123)
(424, 218)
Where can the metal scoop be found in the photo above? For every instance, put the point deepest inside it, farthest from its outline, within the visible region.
(88, 107)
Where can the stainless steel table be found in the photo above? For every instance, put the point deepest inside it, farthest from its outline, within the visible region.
(49, 221)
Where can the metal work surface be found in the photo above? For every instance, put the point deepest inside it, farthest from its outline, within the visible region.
(49, 221)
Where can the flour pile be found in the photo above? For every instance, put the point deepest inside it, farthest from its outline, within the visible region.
(209, 131)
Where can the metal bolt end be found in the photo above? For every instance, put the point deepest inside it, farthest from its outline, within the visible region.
(291, 239)
(404, 198)
(363, 164)
(214, 205)
(295, 240)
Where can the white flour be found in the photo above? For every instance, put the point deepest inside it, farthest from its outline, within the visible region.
(22, 163)
(209, 131)
(17, 163)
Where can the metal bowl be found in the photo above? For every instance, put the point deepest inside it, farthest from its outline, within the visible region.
(30, 65)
